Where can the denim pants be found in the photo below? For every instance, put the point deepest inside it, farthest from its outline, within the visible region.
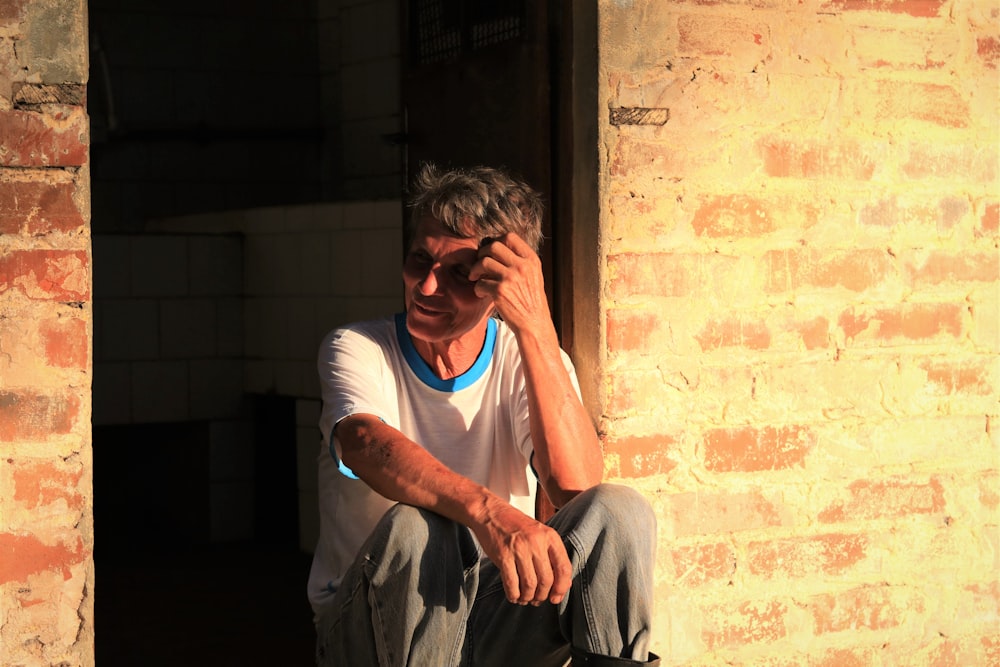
(422, 594)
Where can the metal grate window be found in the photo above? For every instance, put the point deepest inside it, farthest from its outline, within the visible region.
(444, 30)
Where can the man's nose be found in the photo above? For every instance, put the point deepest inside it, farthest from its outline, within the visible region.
(429, 285)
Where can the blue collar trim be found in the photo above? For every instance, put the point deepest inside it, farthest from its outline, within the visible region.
(424, 372)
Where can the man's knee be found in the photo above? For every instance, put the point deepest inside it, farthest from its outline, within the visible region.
(411, 534)
(623, 506)
(613, 512)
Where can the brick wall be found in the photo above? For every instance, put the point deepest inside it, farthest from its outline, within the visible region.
(800, 304)
(46, 529)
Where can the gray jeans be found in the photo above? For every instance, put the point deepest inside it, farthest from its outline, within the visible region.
(421, 593)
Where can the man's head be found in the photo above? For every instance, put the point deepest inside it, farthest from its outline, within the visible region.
(477, 203)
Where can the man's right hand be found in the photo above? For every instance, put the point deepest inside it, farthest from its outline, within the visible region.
(533, 563)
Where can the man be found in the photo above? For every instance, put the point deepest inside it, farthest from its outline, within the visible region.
(438, 422)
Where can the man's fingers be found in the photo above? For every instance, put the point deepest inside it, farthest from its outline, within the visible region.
(510, 579)
(543, 568)
(527, 580)
(562, 573)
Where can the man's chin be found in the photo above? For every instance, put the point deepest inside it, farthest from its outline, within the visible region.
(425, 325)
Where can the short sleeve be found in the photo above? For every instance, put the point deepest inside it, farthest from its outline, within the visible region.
(353, 374)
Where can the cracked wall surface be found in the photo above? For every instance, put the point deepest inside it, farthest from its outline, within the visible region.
(46, 502)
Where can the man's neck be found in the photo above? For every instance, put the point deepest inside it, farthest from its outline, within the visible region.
(450, 358)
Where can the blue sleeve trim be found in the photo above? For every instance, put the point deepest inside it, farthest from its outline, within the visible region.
(344, 470)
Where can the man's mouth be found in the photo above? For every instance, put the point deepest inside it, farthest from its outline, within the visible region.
(426, 310)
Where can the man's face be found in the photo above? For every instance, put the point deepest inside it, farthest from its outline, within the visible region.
(441, 303)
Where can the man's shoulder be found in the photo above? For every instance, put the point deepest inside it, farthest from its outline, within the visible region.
(379, 331)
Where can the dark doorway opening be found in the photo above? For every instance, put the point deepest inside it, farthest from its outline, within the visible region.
(172, 586)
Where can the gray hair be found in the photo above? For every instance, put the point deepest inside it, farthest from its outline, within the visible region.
(477, 202)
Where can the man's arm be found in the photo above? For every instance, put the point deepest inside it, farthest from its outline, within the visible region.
(532, 560)
(568, 456)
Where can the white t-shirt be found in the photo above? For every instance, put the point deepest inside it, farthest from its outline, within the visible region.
(476, 424)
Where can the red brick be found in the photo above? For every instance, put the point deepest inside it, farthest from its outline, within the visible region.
(988, 49)
(784, 158)
(24, 555)
(908, 100)
(641, 456)
(706, 35)
(36, 416)
(666, 274)
(970, 377)
(641, 391)
(67, 342)
(989, 224)
(815, 333)
(989, 486)
(917, 321)
(30, 139)
(991, 646)
(855, 270)
(629, 330)
(732, 215)
(844, 657)
(745, 624)
(951, 211)
(749, 449)
(38, 484)
(887, 213)
(53, 275)
(631, 157)
(734, 331)
(698, 564)
(631, 206)
(865, 608)
(802, 557)
(886, 498)
(36, 208)
(742, 216)
(942, 266)
(973, 164)
(919, 8)
(689, 514)
(11, 10)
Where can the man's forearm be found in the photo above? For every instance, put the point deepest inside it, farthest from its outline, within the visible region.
(531, 557)
(403, 471)
(568, 454)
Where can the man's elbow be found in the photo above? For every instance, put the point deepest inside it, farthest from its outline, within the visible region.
(560, 495)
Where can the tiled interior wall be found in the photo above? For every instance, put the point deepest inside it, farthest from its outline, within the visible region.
(260, 104)
(201, 311)
(359, 70)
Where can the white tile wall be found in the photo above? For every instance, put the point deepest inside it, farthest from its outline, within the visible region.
(159, 266)
(214, 307)
(112, 267)
(128, 329)
(216, 265)
(231, 454)
(188, 328)
(159, 391)
(216, 390)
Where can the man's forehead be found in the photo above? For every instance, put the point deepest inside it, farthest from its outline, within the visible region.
(431, 228)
